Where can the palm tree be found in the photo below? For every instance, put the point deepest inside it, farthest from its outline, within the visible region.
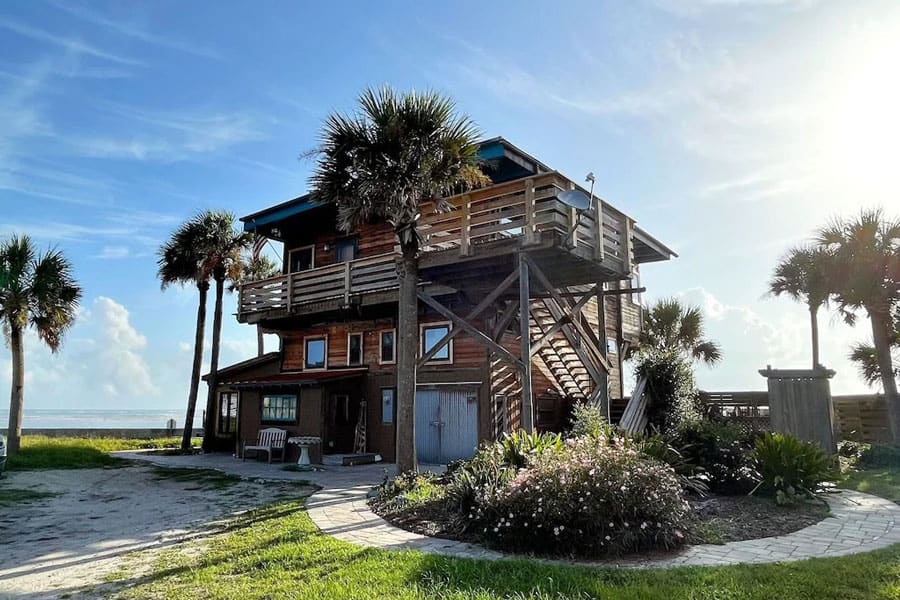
(205, 247)
(803, 274)
(866, 275)
(670, 325)
(36, 290)
(222, 250)
(380, 163)
(255, 268)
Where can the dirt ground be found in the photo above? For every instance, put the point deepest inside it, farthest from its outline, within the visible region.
(65, 544)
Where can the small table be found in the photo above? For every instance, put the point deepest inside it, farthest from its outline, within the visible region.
(305, 442)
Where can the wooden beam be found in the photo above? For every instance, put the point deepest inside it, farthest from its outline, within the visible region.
(525, 329)
(509, 313)
(478, 336)
(601, 334)
(464, 226)
(479, 308)
(584, 332)
(529, 211)
(599, 250)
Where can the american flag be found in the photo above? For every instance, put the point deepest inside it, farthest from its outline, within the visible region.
(258, 244)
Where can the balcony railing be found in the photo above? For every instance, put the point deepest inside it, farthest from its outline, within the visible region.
(526, 208)
(522, 210)
(338, 281)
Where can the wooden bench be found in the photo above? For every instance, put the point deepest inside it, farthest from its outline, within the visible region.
(270, 440)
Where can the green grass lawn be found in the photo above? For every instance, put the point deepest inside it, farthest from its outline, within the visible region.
(42, 452)
(277, 552)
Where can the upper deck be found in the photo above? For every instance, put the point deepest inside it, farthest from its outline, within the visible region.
(463, 247)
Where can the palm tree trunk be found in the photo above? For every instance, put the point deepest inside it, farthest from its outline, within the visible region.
(17, 394)
(814, 327)
(209, 429)
(407, 351)
(881, 334)
(199, 334)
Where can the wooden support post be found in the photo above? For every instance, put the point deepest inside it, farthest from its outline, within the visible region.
(509, 313)
(525, 329)
(530, 228)
(599, 250)
(465, 223)
(347, 282)
(290, 290)
(601, 335)
(573, 223)
(629, 245)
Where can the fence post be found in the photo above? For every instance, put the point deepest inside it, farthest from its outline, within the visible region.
(800, 404)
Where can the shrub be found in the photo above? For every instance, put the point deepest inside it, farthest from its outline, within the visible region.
(478, 479)
(721, 454)
(586, 499)
(674, 399)
(789, 468)
(410, 489)
(519, 447)
(661, 448)
(880, 456)
(588, 421)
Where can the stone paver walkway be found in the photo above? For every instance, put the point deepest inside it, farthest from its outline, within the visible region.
(858, 523)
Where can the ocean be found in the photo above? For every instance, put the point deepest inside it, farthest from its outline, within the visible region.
(95, 419)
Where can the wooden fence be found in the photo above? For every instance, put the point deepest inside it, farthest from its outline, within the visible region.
(859, 417)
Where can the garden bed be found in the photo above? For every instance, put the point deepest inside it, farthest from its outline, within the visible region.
(716, 519)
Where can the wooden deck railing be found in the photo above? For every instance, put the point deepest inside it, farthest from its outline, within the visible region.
(523, 209)
(342, 280)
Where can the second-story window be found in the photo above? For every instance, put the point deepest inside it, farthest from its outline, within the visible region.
(315, 350)
(302, 259)
(388, 350)
(345, 250)
(354, 349)
(431, 335)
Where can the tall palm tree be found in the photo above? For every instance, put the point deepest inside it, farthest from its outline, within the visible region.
(804, 275)
(36, 290)
(255, 268)
(866, 275)
(670, 325)
(380, 163)
(223, 249)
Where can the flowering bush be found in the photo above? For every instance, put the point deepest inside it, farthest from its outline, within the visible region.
(584, 498)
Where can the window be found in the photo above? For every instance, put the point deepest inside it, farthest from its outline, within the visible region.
(314, 352)
(354, 349)
(279, 408)
(387, 405)
(431, 335)
(388, 352)
(611, 346)
(302, 259)
(227, 412)
(345, 250)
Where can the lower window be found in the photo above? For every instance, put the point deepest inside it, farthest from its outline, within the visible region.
(279, 407)
(228, 412)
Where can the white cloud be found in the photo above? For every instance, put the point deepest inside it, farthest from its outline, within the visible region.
(68, 44)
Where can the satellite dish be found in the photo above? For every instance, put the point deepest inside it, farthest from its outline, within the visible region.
(576, 199)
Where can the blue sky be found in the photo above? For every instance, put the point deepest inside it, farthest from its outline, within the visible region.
(730, 129)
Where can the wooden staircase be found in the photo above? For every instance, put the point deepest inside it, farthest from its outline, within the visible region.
(568, 373)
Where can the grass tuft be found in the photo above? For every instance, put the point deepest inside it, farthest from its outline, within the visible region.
(44, 452)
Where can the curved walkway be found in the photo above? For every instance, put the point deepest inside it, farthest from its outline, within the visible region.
(858, 523)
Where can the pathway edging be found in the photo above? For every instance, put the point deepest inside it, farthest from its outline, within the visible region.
(858, 523)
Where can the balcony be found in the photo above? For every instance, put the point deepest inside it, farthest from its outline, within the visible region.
(497, 221)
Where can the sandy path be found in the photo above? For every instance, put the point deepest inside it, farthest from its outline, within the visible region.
(67, 543)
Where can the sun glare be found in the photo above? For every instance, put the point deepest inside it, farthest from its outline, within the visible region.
(865, 121)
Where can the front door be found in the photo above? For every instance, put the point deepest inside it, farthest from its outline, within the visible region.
(446, 424)
(341, 414)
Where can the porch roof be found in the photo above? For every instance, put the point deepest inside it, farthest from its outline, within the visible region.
(297, 379)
